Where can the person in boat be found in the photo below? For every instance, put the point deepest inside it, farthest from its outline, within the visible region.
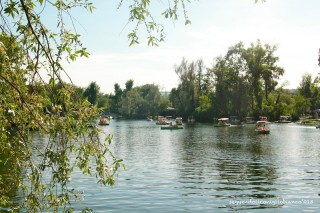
(261, 128)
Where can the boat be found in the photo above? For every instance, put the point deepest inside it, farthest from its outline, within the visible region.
(104, 121)
(149, 118)
(284, 119)
(169, 119)
(222, 122)
(249, 120)
(261, 127)
(178, 120)
(161, 120)
(172, 127)
(234, 120)
(318, 126)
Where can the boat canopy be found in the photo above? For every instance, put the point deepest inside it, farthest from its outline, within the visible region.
(262, 122)
(284, 117)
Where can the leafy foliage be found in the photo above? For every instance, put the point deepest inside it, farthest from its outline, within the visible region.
(32, 105)
(138, 102)
(238, 83)
(34, 97)
(140, 16)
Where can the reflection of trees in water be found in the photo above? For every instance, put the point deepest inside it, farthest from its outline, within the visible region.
(246, 179)
(194, 153)
(244, 167)
(227, 164)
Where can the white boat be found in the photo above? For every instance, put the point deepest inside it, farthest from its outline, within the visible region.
(262, 127)
(222, 122)
(178, 120)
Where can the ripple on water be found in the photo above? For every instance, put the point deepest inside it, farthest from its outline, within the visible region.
(206, 169)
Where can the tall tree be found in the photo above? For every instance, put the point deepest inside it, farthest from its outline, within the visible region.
(92, 92)
(221, 85)
(271, 71)
(238, 81)
(305, 86)
(254, 58)
(116, 98)
(187, 89)
(262, 70)
(129, 85)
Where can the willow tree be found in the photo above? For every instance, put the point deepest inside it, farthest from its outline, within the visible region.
(35, 97)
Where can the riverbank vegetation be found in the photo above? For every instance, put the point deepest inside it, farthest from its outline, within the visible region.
(243, 83)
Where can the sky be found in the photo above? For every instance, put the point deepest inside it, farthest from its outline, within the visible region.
(292, 25)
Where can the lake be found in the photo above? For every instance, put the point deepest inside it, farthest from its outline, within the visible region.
(206, 169)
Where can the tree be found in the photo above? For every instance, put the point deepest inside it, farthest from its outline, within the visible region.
(190, 86)
(129, 85)
(103, 102)
(310, 90)
(262, 70)
(130, 103)
(142, 101)
(238, 81)
(115, 99)
(152, 100)
(271, 72)
(221, 87)
(305, 86)
(30, 52)
(92, 92)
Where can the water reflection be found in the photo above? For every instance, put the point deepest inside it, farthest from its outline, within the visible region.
(227, 164)
(206, 169)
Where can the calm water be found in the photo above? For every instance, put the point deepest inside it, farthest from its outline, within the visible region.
(207, 169)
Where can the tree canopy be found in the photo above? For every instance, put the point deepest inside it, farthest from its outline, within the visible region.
(237, 84)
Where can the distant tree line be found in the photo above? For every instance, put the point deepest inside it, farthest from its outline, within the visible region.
(130, 102)
(244, 82)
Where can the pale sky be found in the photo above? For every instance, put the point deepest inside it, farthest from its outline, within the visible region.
(292, 25)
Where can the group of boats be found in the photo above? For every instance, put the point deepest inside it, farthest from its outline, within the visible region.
(260, 128)
(168, 123)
